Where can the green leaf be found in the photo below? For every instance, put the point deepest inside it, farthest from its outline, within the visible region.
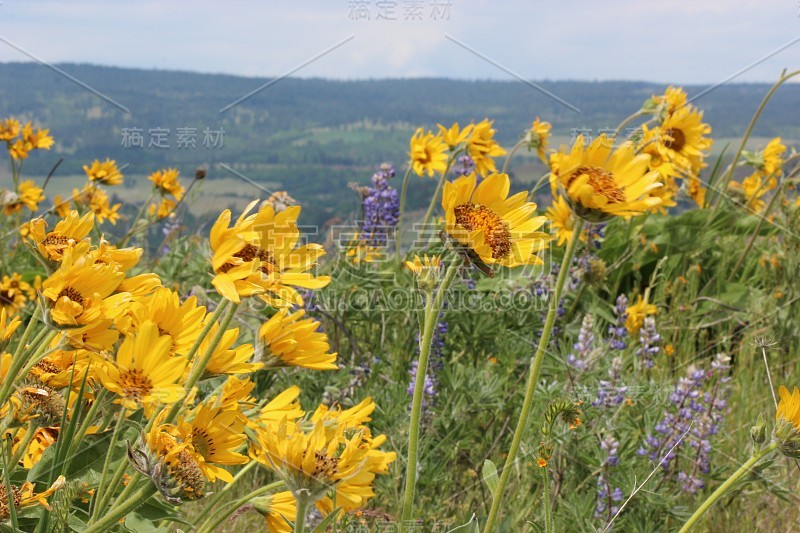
(327, 521)
(469, 527)
(489, 473)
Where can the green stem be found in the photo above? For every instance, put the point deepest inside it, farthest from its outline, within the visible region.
(403, 191)
(17, 362)
(199, 366)
(533, 376)
(84, 427)
(706, 505)
(511, 154)
(302, 511)
(548, 525)
(132, 229)
(537, 186)
(213, 522)
(127, 506)
(210, 502)
(12, 509)
(101, 487)
(431, 317)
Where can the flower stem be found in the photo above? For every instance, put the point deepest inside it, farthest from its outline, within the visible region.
(302, 510)
(17, 361)
(548, 525)
(436, 194)
(431, 317)
(706, 505)
(511, 154)
(112, 517)
(99, 495)
(533, 376)
(403, 191)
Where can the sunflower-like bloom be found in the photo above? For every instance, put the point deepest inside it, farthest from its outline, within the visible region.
(9, 128)
(773, 157)
(212, 437)
(43, 438)
(29, 196)
(143, 374)
(61, 207)
(167, 181)
(455, 136)
(29, 139)
(278, 510)
(162, 209)
(232, 261)
(681, 137)
(428, 153)
(787, 429)
(280, 200)
(637, 313)
(62, 367)
(537, 138)
(7, 327)
(600, 184)
(483, 148)
(14, 293)
(81, 291)
(292, 340)
(72, 229)
(102, 208)
(226, 359)
(182, 322)
(106, 172)
(37, 139)
(562, 223)
(25, 496)
(281, 264)
(313, 461)
(666, 104)
(493, 227)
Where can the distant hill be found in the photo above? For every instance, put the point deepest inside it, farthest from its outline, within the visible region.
(313, 136)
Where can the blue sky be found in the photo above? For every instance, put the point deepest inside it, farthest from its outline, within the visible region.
(676, 41)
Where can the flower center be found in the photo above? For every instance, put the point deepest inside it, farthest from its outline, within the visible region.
(202, 442)
(250, 253)
(602, 181)
(495, 231)
(135, 384)
(677, 139)
(326, 466)
(187, 473)
(55, 239)
(72, 294)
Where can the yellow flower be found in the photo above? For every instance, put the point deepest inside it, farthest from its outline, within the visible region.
(14, 293)
(226, 359)
(455, 135)
(428, 153)
(284, 406)
(278, 510)
(29, 196)
(42, 439)
(167, 181)
(167, 462)
(637, 313)
(232, 261)
(280, 200)
(181, 322)
(106, 172)
(162, 209)
(143, 374)
(72, 229)
(61, 206)
(25, 496)
(282, 265)
(681, 137)
(773, 157)
(101, 207)
(36, 140)
(561, 220)
(291, 340)
(211, 437)
(537, 138)
(789, 407)
(9, 128)
(496, 228)
(696, 190)
(668, 103)
(482, 147)
(81, 291)
(7, 327)
(600, 183)
(419, 266)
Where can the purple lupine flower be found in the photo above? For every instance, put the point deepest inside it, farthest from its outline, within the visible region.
(648, 342)
(596, 235)
(617, 330)
(611, 392)
(580, 357)
(696, 408)
(464, 166)
(381, 204)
